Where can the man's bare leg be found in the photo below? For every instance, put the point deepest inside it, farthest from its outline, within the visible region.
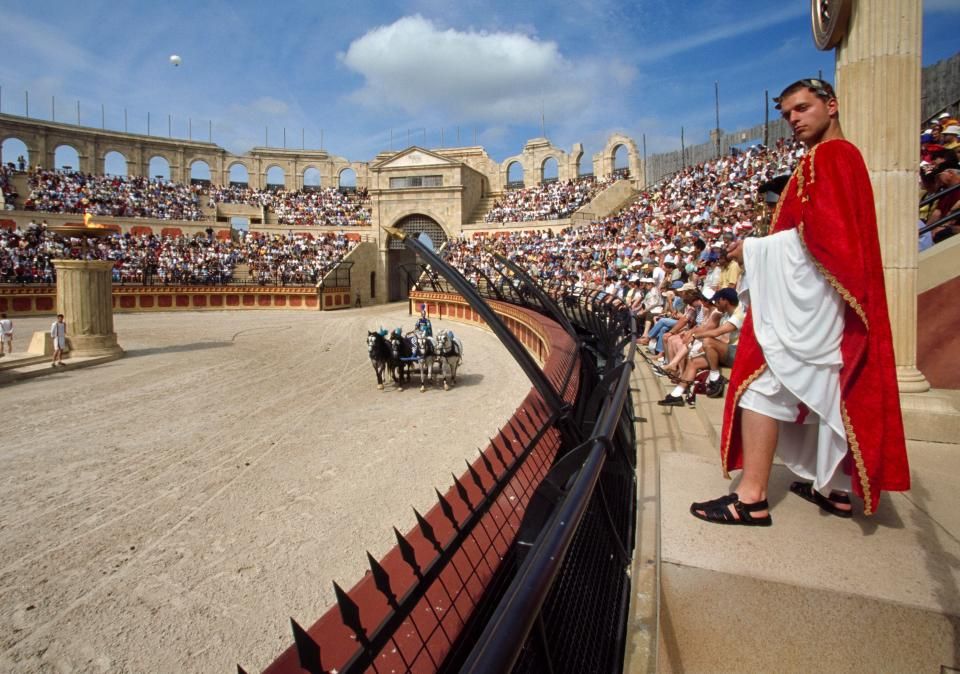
(759, 433)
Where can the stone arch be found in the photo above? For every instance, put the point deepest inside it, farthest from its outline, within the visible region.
(238, 174)
(66, 155)
(158, 167)
(274, 177)
(115, 163)
(199, 171)
(400, 259)
(347, 179)
(549, 169)
(11, 149)
(608, 157)
(513, 173)
(311, 178)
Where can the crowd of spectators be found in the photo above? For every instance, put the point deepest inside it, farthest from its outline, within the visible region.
(26, 256)
(683, 223)
(135, 197)
(664, 255)
(119, 196)
(940, 170)
(546, 201)
(8, 193)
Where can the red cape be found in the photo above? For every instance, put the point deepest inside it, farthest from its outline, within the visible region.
(829, 200)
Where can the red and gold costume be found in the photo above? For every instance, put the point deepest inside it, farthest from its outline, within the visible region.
(829, 201)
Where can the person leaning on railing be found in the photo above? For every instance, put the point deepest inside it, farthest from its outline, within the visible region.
(945, 176)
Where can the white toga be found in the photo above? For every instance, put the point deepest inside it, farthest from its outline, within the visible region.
(798, 319)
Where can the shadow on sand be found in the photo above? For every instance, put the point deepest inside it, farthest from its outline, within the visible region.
(176, 348)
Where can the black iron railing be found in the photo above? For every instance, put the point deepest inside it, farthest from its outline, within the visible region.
(523, 563)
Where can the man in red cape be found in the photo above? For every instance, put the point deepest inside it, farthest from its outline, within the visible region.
(814, 378)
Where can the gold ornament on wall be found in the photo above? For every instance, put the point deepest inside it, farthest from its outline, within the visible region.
(829, 20)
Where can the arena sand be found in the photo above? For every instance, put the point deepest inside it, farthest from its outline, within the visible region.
(170, 511)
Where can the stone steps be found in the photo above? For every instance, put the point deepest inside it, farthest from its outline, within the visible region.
(42, 368)
(867, 594)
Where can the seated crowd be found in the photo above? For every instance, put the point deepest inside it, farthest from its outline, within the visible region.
(27, 257)
(664, 255)
(137, 197)
(547, 201)
(940, 170)
(131, 197)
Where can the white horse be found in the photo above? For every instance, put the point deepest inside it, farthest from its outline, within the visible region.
(426, 355)
(449, 351)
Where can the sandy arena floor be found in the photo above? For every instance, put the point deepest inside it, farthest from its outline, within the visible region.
(168, 512)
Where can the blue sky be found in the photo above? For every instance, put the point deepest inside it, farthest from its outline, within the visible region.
(354, 70)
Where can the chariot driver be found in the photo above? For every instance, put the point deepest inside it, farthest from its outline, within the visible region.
(423, 323)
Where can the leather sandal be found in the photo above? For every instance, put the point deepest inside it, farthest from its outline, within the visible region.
(717, 511)
(806, 491)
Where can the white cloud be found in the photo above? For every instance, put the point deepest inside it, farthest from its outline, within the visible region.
(931, 6)
(723, 31)
(35, 41)
(416, 66)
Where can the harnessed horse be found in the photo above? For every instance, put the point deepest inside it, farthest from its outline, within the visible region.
(426, 355)
(378, 349)
(449, 351)
(403, 352)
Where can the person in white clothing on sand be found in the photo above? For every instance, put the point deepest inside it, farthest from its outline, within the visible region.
(58, 333)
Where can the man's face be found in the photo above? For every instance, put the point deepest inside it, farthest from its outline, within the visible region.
(808, 115)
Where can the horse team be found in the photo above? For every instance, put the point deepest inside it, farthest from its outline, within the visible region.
(402, 353)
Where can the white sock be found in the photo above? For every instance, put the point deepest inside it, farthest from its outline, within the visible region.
(714, 375)
(678, 391)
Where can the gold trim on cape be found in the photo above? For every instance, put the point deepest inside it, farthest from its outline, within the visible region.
(858, 459)
(736, 400)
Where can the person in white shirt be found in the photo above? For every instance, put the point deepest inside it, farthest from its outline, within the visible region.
(58, 333)
(6, 335)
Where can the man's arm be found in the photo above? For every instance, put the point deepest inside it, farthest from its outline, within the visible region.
(715, 332)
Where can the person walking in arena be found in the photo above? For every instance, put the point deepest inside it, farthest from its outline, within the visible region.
(58, 333)
(6, 335)
(814, 379)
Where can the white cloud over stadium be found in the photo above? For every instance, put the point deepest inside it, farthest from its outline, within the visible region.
(417, 66)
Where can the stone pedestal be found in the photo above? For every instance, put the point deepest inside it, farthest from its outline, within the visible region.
(878, 85)
(85, 298)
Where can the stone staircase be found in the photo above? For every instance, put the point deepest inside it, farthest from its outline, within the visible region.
(483, 207)
(872, 594)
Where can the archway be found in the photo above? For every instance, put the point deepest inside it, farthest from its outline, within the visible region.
(199, 172)
(239, 175)
(66, 158)
(276, 178)
(347, 180)
(514, 175)
(401, 261)
(311, 178)
(114, 164)
(549, 170)
(14, 151)
(621, 161)
(158, 168)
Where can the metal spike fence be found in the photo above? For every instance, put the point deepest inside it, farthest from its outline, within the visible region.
(442, 598)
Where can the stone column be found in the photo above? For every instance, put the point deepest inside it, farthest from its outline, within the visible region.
(878, 85)
(85, 298)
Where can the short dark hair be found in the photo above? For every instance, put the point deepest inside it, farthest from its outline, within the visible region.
(728, 294)
(821, 88)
